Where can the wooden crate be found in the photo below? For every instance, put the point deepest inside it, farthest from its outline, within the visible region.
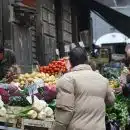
(14, 123)
(9, 122)
(37, 124)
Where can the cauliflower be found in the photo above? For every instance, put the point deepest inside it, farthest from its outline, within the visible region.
(48, 111)
(42, 115)
(39, 105)
(3, 112)
(43, 103)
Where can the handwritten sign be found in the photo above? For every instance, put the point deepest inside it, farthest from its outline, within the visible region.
(32, 89)
(39, 82)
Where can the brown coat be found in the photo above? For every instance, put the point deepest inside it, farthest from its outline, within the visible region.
(81, 99)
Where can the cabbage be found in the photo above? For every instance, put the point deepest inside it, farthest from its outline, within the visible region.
(49, 93)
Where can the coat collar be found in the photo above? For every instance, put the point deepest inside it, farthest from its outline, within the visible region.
(81, 67)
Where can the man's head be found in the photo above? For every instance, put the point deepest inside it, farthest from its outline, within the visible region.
(78, 56)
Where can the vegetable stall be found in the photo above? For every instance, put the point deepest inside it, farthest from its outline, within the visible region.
(29, 99)
(118, 115)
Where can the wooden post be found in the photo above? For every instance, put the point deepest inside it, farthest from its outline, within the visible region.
(85, 29)
(59, 27)
(2, 20)
(75, 34)
(39, 45)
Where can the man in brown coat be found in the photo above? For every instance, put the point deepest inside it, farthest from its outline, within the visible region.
(82, 95)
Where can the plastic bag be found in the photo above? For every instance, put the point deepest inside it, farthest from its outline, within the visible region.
(112, 125)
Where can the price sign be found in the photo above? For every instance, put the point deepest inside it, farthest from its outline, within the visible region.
(32, 89)
(39, 82)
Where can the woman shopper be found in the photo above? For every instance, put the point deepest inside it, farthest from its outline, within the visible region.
(81, 96)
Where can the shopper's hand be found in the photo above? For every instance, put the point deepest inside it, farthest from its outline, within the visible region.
(118, 90)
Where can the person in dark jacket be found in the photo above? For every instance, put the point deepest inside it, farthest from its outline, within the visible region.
(7, 59)
(126, 88)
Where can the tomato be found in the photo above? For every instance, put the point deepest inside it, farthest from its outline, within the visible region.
(55, 69)
(41, 70)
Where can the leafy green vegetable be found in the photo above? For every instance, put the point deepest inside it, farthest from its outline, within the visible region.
(24, 112)
(19, 101)
(52, 105)
(111, 73)
(119, 111)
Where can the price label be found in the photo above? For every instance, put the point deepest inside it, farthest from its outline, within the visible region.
(32, 89)
(39, 83)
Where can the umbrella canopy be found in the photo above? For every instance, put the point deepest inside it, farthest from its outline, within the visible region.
(111, 38)
(128, 41)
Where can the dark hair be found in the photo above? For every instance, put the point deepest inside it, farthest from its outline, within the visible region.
(78, 56)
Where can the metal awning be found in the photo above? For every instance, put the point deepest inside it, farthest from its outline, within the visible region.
(118, 20)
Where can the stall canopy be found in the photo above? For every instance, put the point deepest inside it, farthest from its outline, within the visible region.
(111, 38)
(120, 21)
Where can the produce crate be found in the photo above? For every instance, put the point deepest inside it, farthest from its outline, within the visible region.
(8, 123)
(13, 123)
(37, 124)
(8, 128)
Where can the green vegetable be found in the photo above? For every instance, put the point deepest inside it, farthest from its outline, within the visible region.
(52, 105)
(19, 101)
(119, 111)
(111, 73)
(24, 113)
